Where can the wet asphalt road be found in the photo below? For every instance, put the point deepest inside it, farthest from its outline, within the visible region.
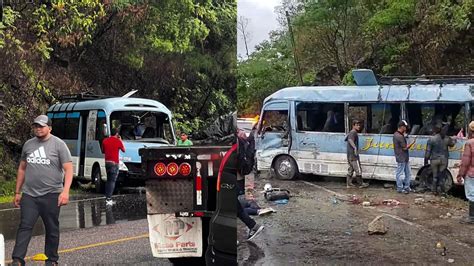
(92, 233)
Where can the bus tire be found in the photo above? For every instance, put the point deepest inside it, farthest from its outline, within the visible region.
(426, 178)
(285, 168)
(99, 184)
(448, 181)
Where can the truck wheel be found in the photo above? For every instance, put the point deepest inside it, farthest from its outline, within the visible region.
(285, 168)
(99, 184)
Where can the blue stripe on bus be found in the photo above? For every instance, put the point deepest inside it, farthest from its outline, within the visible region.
(60, 115)
(73, 115)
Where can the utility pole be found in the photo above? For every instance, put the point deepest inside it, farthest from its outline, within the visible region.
(297, 63)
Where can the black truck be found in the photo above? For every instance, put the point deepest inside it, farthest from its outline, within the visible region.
(191, 203)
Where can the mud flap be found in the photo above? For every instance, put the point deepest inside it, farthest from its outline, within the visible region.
(175, 237)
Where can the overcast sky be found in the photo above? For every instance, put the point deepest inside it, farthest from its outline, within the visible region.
(262, 20)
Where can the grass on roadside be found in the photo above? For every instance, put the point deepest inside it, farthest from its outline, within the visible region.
(7, 191)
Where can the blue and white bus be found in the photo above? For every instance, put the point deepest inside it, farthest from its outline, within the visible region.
(83, 122)
(303, 129)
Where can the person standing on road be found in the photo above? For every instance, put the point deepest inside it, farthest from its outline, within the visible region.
(111, 147)
(437, 152)
(402, 156)
(353, 159)
(45, 163)
(184, 141)
(466, 173)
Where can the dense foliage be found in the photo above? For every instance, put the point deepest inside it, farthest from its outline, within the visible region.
(332, 37)
(179, 52)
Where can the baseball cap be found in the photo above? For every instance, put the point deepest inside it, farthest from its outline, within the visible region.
(403, 123)
(42, 120)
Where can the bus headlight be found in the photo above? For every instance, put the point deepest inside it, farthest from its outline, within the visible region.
(122, 166)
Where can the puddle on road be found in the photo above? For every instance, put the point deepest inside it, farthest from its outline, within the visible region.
(82, 214)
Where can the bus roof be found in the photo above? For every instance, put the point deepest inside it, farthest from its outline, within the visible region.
(112, 104)
(393, 93)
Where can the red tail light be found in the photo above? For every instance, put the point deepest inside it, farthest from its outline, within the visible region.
(160, 169)
(185, 169)
(172, 169)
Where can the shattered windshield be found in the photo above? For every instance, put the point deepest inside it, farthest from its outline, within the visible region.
(143, 126)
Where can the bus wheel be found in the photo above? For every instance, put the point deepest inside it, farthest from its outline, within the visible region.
(285, 168)
(99, 184)
(448, 181)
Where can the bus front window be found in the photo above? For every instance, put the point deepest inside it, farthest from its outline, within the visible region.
(143, 126)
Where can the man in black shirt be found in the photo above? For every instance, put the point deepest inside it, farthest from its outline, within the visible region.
(353, 156)
(401, 155)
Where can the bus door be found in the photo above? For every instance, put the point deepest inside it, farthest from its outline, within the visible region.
(273, 135)
(82, 140)
(95, 133)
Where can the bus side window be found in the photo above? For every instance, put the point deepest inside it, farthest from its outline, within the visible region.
(385, 118)
(360, 112)
(320, 117)
(275, 121)
(71, 130)
(58, 125)
(426, 116)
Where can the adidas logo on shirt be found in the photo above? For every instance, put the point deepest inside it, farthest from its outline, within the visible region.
(38, 157)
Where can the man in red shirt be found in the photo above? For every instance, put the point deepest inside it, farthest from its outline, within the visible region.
(111, 147)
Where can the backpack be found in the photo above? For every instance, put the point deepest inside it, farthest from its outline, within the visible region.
(246, 155)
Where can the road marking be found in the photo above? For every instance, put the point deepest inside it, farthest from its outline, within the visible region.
(93, 245)
(398, 218)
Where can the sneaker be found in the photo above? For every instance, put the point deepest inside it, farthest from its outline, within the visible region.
(255, 231)
(363, 185)
(405, 191)
(109, 202)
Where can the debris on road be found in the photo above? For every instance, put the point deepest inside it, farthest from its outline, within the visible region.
(450, 260)
(391, 202)
(388, 185)
(355, 200)
(419, 201)
(265, 211)
(441, 248)
(277, 194)
(281, 201)
(366, 203)
(377, 226)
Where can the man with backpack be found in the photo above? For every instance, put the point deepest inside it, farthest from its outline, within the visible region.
(246, 152)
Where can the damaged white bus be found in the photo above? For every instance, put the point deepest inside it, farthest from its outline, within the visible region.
(302, 129)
